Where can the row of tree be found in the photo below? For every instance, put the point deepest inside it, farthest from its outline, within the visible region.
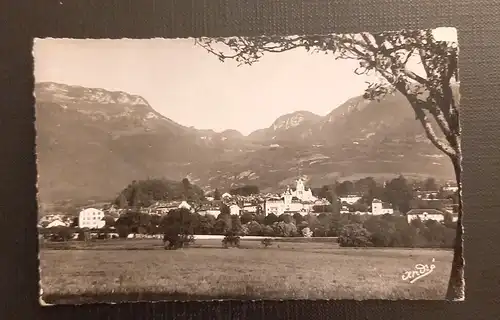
(179, 225)
(144, 193)
(386, 230)
(245, 190)
(184, 221)
(390, 231)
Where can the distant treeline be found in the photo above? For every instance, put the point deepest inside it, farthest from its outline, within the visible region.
(246, 190)
(351, 229)
(144, 193)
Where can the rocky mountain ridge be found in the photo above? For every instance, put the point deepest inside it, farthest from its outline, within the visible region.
(93, 142)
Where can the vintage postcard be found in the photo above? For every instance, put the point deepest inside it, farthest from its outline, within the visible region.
(272, 167)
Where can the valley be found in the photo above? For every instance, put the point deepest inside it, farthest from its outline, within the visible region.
(92, 142)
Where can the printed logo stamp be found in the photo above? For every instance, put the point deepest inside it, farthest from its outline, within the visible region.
(420, 271)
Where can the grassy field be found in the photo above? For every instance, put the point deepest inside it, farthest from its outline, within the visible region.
(130, 270)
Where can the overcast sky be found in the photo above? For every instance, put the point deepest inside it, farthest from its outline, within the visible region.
(192, 87)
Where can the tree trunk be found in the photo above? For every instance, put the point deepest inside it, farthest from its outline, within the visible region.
(456, 284)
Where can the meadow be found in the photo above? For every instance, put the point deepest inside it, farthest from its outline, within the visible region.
(132, 270)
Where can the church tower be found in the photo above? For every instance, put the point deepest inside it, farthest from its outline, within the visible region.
(300, 189)
(287, 196)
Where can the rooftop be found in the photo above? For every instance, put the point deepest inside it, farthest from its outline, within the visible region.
(422, 211)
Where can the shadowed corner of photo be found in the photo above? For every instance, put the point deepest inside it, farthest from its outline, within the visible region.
(40, 297)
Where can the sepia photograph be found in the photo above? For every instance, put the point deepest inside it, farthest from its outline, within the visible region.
(270, 167)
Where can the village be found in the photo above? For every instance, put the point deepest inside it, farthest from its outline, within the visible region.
(298, 201)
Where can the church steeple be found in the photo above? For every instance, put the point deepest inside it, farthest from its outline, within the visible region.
(300, 187)
(287, 196)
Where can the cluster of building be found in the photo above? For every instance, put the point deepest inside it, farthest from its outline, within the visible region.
(430, 198)
(54, 220)
(299, 200)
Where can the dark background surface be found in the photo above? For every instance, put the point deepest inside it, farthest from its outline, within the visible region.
(479, 41)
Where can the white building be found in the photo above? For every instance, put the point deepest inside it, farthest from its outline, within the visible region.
(429, 214)
(274, 206)
(425, 214)
(250, 208)
(234, 209)
(162, 208)
(56, 223)
(300, 200)
(50, 218)
(350, 199)
(279, 207)
(211, 211)
(91, 218)
(380, 208)
(184, 205)
(301, 192)
(322, 202)
(427, 195)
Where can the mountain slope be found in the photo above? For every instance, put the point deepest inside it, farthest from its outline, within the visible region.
(294, 126)
(357, 139)
(93, 142)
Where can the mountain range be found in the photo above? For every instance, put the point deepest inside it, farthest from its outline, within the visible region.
(92, 142)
